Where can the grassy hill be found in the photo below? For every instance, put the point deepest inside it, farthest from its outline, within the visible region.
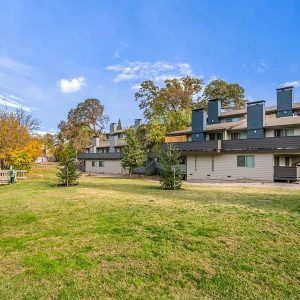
(121, 238)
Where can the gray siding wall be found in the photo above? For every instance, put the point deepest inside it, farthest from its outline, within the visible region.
(285, 100)
(255, 120)
(214, 111)
(225, 167)
(198, 124)
(113, 138)
(112, 167)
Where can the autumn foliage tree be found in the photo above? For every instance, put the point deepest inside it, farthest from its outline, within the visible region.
(18, 146)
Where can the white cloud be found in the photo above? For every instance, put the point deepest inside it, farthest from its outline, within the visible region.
(12, 103)
(135, 87)
(43, 132)
(294, 83)
(157, 71)
(212, 78)
(117, 53)
(72, 85)
(261, 66)
(12, 65)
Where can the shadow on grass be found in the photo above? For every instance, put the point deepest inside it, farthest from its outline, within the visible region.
(289, 201)
(271, 200)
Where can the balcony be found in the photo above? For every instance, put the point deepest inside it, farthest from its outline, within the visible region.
(200, 146)
(287, 173)
(273, 144)
(97, 156)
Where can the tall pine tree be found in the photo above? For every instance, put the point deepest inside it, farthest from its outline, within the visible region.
(119, 126)
(171, 175)
(133, 153)
(67, 171)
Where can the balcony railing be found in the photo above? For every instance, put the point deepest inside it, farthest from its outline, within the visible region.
(273, 144)
(91, 156)
(202, 146)
(287, 173)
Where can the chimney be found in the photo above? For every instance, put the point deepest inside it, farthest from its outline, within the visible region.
(285, 101)
(112, 128)
(95, 141)
(256, 119)
(198, 124)
(214, 111)
(137, 123)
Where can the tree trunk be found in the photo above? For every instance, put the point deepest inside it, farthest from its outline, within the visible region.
(67, 176)
(130, 172)
(173, 178)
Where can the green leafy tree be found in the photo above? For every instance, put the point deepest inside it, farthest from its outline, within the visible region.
(171, 175)
(83, 122)
(67, 171)
(133, 153)
(119, 126)
(232, 95)
(168, 108)
(89, 113)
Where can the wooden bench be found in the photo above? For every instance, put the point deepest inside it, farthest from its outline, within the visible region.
(5, 177)
(21, 174)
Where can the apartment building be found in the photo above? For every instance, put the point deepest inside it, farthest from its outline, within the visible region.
(104, 155)
(254, 143)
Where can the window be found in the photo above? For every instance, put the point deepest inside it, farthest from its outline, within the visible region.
(216, 136)
(101, 163)
(233, 119)
(93, 163)
(239, 135)
(120, 136)
(212, 163)
(242, 135)
(287, 161)
(289, 132)
(247, 161)
(284, 132)
(277, 161)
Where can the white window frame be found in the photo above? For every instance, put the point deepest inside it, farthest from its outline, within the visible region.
(247, 160)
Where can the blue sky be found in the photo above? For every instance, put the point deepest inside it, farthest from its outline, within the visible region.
(54, 54)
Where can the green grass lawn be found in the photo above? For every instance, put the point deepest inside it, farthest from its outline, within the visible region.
(121, 238)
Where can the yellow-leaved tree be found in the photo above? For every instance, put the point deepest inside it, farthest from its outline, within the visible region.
(18, 146)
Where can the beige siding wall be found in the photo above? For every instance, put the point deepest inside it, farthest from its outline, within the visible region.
(270, 132)
(110, 167)
(270, 117)
(225, 165)
(297, 131)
